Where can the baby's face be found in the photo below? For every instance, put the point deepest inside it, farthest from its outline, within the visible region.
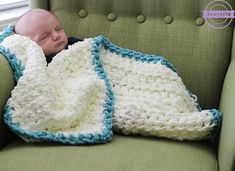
(45, 29)
(49, 34)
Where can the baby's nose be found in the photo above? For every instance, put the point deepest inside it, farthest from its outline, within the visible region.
(55, 35)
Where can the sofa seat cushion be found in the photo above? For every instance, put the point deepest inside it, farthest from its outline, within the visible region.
(123, 153)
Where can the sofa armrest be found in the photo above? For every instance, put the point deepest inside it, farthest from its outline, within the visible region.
(6, 85)
(226, 148)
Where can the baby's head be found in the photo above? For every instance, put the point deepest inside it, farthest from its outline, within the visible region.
(44, 28)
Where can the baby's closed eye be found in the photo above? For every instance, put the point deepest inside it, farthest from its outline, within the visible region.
(59, 28)
(43, 36)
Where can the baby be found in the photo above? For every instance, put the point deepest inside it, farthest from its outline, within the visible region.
(44, 28)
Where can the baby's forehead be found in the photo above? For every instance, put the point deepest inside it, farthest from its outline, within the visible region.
(31, 18)
(36, 15)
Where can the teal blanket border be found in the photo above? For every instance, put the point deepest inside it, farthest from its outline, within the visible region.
(90, 138)
(16, 65)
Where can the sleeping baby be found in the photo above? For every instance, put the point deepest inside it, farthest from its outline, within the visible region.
(44, 28)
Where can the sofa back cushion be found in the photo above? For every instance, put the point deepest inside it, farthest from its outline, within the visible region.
(173, 29)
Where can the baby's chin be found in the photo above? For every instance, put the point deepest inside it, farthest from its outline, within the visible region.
(53, 53)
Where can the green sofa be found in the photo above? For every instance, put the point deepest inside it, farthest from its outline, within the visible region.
(175, 29)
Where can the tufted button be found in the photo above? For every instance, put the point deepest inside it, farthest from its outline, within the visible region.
(168, 19)
(112, 17)
(199, 21)
(140, 18)
(82, 13)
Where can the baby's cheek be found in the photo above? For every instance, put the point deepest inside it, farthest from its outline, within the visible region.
(47, 50)
(47, 47)
(41, 45)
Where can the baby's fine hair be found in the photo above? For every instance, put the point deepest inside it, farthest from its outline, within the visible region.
(28, 13)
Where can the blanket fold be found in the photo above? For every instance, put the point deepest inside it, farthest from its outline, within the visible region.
(95, 87)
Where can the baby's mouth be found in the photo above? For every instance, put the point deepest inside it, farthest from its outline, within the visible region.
(59, 44)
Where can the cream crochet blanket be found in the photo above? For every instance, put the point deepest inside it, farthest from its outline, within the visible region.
(95, 86)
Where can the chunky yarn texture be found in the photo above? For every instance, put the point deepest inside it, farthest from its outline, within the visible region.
(95, 87)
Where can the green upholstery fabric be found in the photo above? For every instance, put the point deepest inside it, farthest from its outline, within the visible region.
(123, 153)
(6, 85)
(39, 4)
(201, 55)
(227, 138)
